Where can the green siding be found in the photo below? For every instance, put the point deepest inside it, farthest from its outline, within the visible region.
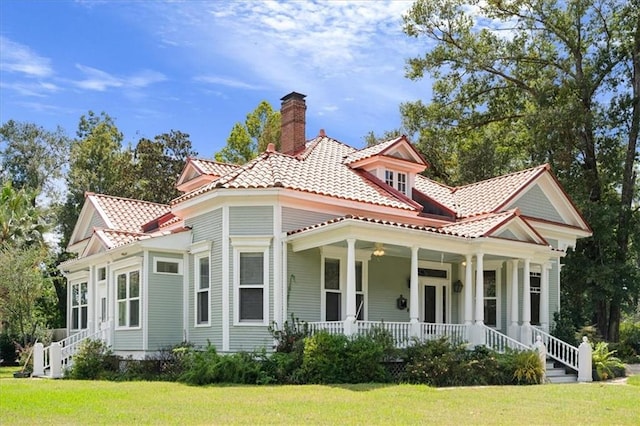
(96, 222)
(251, 220)
(127, 340)
(293, 219)
(508, 235)
(207, 227)
(388, 280)
(165, 305)
(534, 203)
(304, 284)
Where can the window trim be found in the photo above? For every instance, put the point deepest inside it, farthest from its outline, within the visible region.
(80, 305)
(392, 178)
(340, 254)
(128, 299)
(156, 260)
(497, 267)
(251, 244)
(197, 290)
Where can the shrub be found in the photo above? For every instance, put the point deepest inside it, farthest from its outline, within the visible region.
(93, 361)
(363, 361)
(290, 338)
(629, 345)
(323, 358)
(207, 367)
(605, 364)
(527, 368)
(563, 329)
(436, 363)
(8, 350)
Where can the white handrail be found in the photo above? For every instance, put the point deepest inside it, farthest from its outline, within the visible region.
(500, 342)
(400, 331)
(457, 333)
(558, 349)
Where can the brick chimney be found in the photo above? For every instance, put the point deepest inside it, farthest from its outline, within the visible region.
(292, 112)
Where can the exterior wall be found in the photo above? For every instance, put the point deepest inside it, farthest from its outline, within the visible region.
(508, 235)
(304, 284)
(207, 227)
(96, 222)
(164, 316)
(248, 221)
(293, 219)
(387, 281)
(534, 203)
(125, 339)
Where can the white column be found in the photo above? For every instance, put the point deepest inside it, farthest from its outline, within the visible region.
(414, 302)
(514, 329)
(351, 287)
(38, 360)
(544, 297)
(526, 335)
(479, 289)
(468, 290)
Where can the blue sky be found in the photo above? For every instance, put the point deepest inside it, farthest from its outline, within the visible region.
(201, 66)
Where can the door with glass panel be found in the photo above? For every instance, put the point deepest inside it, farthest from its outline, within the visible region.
(434, 301)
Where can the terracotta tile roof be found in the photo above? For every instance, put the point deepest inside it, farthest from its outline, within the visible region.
(125, 214)
(213, 168)
(318, 170)
(370, 151)
(487, 196)
(113, 238)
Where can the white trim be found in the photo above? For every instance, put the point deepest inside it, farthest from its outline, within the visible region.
(443, 289)
(134, 261)
(277, 264)
(237, 251)
(185, 301)
(127, 271)
(496, 266)
(225, 279)
(196, 289)
(200, 246)
(144, 303)
(157, 259)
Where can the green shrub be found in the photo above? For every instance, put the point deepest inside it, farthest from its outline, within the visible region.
(203, 367)
(563, 329)
(93, 361)
(283, 367)
(605, 364)
(527, 368)
(290, 338)
(436, 363)
(8, 350)
(323, 357)
(629, 345)
(363, 361)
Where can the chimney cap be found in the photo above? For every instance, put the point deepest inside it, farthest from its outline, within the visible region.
(293, 95)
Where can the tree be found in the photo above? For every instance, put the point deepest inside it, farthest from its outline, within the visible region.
(33, 158)
(21, 222)
(526, 81)
(158, 164)
(372, 139)
(248, 139)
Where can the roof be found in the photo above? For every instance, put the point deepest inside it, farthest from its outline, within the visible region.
(211, 167)
(318, 170)
(126, 214)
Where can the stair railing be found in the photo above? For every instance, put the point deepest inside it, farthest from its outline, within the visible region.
(557, 349)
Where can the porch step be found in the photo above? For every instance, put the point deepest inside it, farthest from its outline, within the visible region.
(559, 374)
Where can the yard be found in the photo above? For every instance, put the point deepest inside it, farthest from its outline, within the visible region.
(32, 401)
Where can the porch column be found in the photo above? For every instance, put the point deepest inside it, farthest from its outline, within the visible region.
(468, 290)
(544, 297)
(414, 303)
(479, 289)
(349, 324)
(514, 330)
(525, 331)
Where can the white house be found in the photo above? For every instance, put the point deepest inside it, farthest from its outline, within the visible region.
(340, 237)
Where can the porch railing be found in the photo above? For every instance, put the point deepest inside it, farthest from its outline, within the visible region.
(557, 349)
(331, 327)
(400, 331)
(500, 342)
(457, 333)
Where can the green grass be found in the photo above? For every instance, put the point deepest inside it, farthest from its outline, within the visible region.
(31, 401)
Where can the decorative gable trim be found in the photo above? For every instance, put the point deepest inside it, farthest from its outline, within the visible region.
(89, 208)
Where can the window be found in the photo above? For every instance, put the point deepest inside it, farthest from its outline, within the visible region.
(333, 295)
(103, 309)
(402, 183)
(79, 306)
(535, 297)
(251, 286)
(490, 299)
(202, 287)
(396, 180)
(388, 177)
(359, 293)
(167, 266)
(102, 274)
(128, 299)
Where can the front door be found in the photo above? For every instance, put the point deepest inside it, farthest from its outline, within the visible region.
(435, 302)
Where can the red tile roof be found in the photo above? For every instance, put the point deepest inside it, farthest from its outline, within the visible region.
(126, 214)
(213, 168)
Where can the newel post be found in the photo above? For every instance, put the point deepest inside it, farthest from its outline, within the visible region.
(539, 347)
(55, 360)
(38, 360)
(585, 373)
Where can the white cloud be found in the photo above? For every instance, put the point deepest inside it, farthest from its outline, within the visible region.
(101, 81)
(18, 58)
(226, 81)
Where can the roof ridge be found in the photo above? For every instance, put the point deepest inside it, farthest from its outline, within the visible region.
(541, 166)
(127, 199)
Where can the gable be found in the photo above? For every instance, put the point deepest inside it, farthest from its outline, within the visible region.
(536, 204)
(518, 229)
(95, 221)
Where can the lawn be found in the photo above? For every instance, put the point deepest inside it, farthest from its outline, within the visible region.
(31, 401)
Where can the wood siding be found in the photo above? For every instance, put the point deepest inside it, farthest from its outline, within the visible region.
(534, 203)
(165, 305)
(293, 219)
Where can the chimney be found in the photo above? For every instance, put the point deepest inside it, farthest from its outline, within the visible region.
(292, 116)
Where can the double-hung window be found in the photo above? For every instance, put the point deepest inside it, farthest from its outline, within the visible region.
(79, 306)
(334, 285)
(128, 299)
(202, 289)
(251, 280)
(490, 298)
(396, 180)
(332, 291)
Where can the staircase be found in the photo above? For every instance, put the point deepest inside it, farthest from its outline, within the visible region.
(559, 374)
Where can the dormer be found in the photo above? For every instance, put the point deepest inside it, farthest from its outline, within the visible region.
(395, 162)
(198, 172)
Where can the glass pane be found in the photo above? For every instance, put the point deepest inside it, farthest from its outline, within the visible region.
(429, 303)
(75, 295)
(83, 293)
(534, 282)
(388, 177)
(332, 311)
(360, 306)
(167, 267)
(203, 307)
(251, 268)
(102, 274)
(83, 317)
(358, 276)
(134, 284)
(251, 307)
(535, 308)
(435, 273)
(75, 316)
(332, 274)
(122, 286)
(103, 309)
(122, 314)
(489, 283)
(490, 312)
(134, 313)
(204, 273)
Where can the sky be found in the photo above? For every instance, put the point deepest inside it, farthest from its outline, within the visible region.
(201, 66)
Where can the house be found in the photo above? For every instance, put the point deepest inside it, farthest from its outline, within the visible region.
(343, 238)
